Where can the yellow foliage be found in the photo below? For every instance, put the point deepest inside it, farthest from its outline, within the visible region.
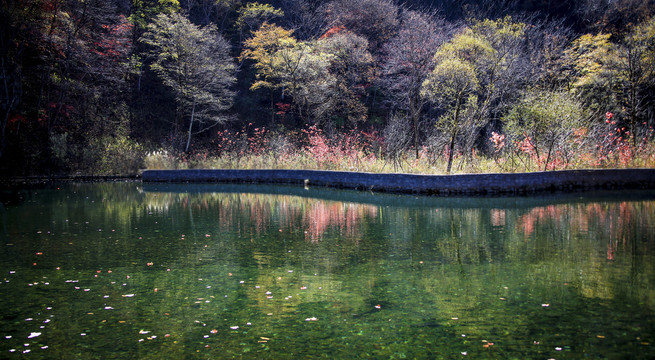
(262, 47)
(589, 56)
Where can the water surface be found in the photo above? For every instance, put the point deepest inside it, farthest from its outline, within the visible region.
(126, 270)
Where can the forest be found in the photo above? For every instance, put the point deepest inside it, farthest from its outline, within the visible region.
(110, 87)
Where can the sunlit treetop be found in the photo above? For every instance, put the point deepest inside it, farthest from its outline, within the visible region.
(261, 48)
(467, 46)
(500, 29)
(254, 14)
(588, 56)
(143, 11)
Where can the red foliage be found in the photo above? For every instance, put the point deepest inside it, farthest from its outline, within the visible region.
(498, 140)
(283, 108)
(15, 120)
(116, 42)
(333, 31)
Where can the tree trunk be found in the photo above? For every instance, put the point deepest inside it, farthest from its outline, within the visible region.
(414, 110)
(272, 107)
(188, 140)
(550, 150)
(450, 152)
(2, 133)
(415, 120)
(453, 136)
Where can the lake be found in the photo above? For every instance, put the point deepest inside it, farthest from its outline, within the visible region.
(131, 270)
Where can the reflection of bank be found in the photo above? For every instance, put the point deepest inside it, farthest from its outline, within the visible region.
(398, 200)
(497, 217)
(580, 218)
(345, 216)
(263, 211)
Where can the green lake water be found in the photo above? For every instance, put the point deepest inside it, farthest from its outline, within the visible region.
(139, 271)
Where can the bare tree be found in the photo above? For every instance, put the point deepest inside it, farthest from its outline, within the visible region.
(305, 17)
(409, 59)
(195, 63)
(397, 138)
(375, 20)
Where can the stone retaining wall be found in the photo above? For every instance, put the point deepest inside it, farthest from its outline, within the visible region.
(470, 184)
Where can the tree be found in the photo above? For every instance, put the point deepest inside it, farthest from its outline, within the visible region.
(636, 68)
(543, 50)
(262, 48)
(325, 78)
(375, 20)
(304, 74)
(498, 56)
(255, 14)
(452, 84)
(305, 17)
(545, 120)
(205, 12)
(351, 66)
(11, 49)
(144, 11)
(409, 59)
(616, 77)
(195, 63)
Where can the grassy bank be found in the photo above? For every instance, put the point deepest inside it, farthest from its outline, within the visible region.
(363, 151)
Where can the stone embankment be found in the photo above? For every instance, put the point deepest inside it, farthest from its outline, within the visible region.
(468, 184)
